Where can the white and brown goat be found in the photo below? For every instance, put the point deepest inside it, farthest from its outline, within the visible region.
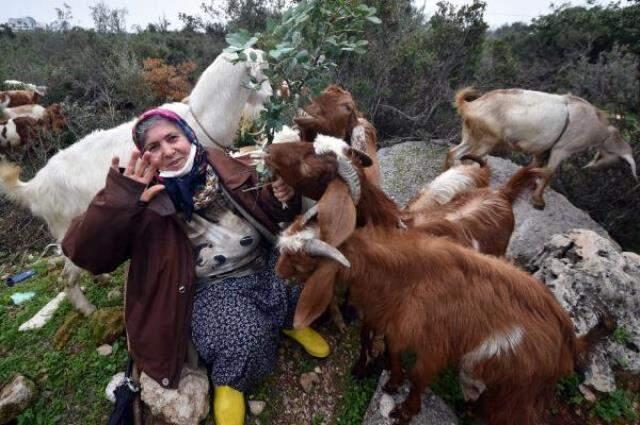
(502, 329)
(537, 123)
(11, 98)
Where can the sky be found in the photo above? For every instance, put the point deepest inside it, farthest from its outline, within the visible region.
(142, 12)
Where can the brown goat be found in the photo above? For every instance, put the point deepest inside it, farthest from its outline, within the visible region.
(502, 329)
(334, 113)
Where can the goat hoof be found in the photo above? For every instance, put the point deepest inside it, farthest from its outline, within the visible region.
(538, 204)
(400, 416)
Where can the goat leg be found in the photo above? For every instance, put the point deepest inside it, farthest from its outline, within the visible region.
(422, 373)
(360, 369)
(336, 316)
(71, 277)
(395, 368)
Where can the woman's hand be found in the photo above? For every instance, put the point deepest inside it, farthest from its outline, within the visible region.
(282, 191)
(141, 171)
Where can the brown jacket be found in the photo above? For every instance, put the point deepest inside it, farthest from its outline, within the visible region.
(160, 287)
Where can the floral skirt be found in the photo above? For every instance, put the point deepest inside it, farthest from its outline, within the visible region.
(237, 322)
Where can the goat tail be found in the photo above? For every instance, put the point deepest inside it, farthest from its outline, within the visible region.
(10, 183)
(584, 344)
(522, 179)
(467, 94)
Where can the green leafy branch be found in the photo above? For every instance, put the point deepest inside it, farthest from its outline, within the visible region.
(303, 48)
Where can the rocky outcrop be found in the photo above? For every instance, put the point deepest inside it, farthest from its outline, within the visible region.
(588, 273)
(434, 411)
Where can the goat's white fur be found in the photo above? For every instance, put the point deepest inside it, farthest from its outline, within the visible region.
(328, 144)
(295, 242)
(11, 136)
(498, 344)
(37, 112)
(448, 184)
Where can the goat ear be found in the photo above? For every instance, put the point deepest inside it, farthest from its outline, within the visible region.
(316, 294)
(336, 213)
(360, 157)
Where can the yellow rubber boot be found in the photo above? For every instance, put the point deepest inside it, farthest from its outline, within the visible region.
(228, 406)
(311, 341)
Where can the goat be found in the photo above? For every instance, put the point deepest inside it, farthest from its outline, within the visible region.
(334, 113)
(480, 218)
(64, 187)
(502, 329)
(50, 116)
(448, 184)
(537, 123)
(18, 131)
(33, 111)
(11, 98)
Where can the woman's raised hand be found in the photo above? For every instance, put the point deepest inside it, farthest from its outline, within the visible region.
(140, 170)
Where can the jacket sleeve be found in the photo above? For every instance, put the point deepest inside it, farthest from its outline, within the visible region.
(100, 239)
(270, 204)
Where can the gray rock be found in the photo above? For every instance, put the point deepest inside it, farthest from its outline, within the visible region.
(189, 404)
(535, 227)
(16, 397)
(407, 167)
(434, 411)
(114, 295)
(307, 380)
(256, 407)
(105, 350)
(585, 272)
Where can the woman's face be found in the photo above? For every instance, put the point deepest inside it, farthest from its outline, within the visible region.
(168, 146)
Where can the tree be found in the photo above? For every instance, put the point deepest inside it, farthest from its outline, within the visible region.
(63, 18)
(107, 20)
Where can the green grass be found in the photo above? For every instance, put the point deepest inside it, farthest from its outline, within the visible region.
(617, 406)
(71, 380)
(621, 335)
(355, 399)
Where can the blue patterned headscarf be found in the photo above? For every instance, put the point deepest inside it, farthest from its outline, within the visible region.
(180, 189)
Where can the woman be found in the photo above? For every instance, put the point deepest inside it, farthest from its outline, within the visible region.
(201, 260)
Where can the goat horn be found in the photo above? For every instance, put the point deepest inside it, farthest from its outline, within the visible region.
(311, 212)
(318, 248)
(348, 173)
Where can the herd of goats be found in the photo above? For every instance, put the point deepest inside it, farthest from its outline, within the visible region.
(430, 277)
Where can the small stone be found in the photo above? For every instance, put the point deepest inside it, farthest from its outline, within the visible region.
(587, 393)
(256, 407)
(386, 405)
(105, 350)
(103, 279)
(317, 370)
(16, 397)
(114, 295)
(307, 380)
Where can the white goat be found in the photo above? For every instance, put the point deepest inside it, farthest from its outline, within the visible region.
(536, 123)
(64, 187)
